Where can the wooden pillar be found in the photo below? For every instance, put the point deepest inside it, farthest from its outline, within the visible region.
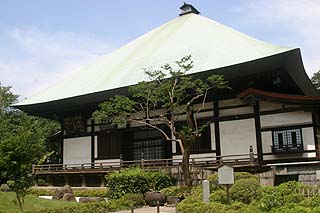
(216, 127)
(83, 181)
(257, 122)
(92, 141)
(36, 180)
(316, 125)
(102, 181)
(66, 180)
(50, 182)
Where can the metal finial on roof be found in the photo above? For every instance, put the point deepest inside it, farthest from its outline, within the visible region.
(188, 8)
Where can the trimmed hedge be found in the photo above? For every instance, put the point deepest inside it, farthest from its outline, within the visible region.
(40, 192)
(135, 181)
(125, 202)
(90, 193)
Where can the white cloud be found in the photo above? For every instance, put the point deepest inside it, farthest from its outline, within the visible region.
(301, 17)
(47, 58)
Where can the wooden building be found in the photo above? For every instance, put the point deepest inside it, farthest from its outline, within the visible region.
(271, 114)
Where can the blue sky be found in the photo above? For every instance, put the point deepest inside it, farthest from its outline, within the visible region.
(43, 41)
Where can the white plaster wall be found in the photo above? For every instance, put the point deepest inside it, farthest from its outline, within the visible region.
(285, 119)
(236, 111)
(95, 146)
(77, 150)
(308, 140)
(266, 142)
(213, 139)
(237, 136)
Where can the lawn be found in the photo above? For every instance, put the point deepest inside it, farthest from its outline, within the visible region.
(32, 203)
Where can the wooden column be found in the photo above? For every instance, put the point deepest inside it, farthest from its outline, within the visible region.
(216, 127)
(257, 122)
(92, 141)
(102, 181)
(316, 123)
(83, 181)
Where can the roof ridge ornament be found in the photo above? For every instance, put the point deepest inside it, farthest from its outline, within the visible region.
(188, 8)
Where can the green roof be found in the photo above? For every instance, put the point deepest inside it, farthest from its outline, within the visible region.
(211, 45)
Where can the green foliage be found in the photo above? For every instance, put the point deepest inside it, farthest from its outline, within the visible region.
(135, 181)
(21, 143)
(292, 208)
(137, 199)
(90, 193)
(42, 182)
(316, 80)
(177, 191)
(32, 204)
(6, 99)
(40, 192)
(110, 206)
(245, 190)
(214, 184)
(274, 197)
(200, 207)
(219, 196)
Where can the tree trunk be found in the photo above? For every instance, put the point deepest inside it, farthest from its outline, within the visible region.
(19, 202)
(186, 167)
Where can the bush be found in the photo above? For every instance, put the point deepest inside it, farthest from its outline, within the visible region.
(219, 196)
(200, 207)
(42, 182)
(137, 199)
(177, 191)
(292, 208)
(214, 184)
(286, 193)
(40, 192)
(90, 193)
(136, 181)
(111, 206)
(245, 190)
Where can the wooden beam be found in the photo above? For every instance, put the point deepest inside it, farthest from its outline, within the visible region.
(257, 122)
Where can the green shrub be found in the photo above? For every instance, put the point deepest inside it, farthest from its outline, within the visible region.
(177, 191)
(219, 196)
(292, 208)
(244, 175)
(200, 207)
(90, 193)
(111, 206)
(214, 184)
(40, 192)
(42, 182)
(245, 190)
(314, 201)
(135, 181)
(137, 199)
(274, 197)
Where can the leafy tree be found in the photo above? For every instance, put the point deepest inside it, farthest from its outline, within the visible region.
(169, 95)
(22, 143)
(315, 79)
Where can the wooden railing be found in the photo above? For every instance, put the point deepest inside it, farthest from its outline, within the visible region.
(103, 167)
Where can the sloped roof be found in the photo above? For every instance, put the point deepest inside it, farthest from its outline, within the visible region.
(255, 94)
(211, 45)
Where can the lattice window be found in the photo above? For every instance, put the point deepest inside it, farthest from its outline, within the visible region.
(287, 140)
